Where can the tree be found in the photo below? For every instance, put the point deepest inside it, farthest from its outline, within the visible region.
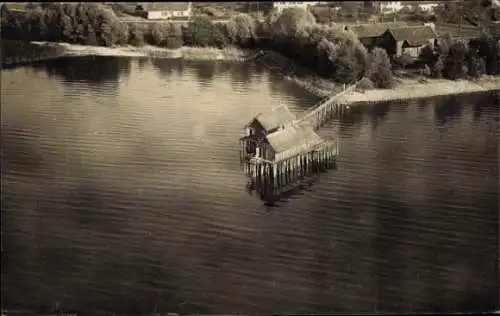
(476, 66)
(437, 70)
(379, 70)
(241, 29)
(404, 60)
(198, 32)
(324, 15)
(220, 35)
(136, 35)
(428, 55)
(290, 22)
(455, 66)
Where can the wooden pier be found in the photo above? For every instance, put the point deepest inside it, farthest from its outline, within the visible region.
(327, 109)
(280, 151)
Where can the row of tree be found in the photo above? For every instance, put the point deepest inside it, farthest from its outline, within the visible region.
(328, 50)
(457, 59)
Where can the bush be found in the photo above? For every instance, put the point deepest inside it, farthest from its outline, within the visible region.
(455, 65)
(404, 60)
(136, 35)
(365, 84)
(427, 71)
(427, 55)
(379, 71)
(198, 32)
(437, 69)
(167, 35)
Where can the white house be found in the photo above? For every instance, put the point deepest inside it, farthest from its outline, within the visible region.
(396, 6)
(301, 4)
(391, 6)
(167, 10)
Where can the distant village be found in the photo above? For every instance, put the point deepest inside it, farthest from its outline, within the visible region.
(396, 37)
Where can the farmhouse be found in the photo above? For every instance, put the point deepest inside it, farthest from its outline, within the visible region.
(166, 10)
(410, 40)
(371, 34)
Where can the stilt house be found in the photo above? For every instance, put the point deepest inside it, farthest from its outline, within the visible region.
(269, 122)
(288, 142)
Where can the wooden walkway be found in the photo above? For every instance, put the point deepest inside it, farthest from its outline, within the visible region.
(326, 109)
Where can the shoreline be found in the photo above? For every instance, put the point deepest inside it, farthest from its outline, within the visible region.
(185, 52)
(412, 89)
(405, 89)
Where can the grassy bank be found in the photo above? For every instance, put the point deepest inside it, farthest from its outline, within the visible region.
(188, 53)
(407, 89)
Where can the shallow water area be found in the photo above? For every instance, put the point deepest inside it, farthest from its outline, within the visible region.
(122, 192)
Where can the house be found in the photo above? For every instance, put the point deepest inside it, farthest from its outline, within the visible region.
(390, 7)
(371, 34)
(280, 6)
(166, 10)
(410, 40)
(288, 142)
(269, 122)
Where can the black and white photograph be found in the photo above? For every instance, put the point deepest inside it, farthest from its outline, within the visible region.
(250, 158)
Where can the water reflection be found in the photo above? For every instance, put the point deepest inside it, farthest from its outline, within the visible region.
(90, 70)
(449, 108)
(354, 116)
(142, 62)
(485, 104)
(128, 211)
(242, 75)
(204, 71)
(422, 104)
(166, 67)
(379, 112)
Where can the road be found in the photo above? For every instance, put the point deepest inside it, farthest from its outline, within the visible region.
(183, 22)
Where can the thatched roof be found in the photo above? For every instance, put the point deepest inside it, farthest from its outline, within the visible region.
(293, 140)
(373, 29)
(414, 35)
(275, 118)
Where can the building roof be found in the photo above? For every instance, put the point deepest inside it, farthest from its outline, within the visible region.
(165, 6)
(293, 137)
(275, 118)
(373, 29)
(414, 35)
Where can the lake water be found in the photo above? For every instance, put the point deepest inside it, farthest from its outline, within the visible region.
(122, 192)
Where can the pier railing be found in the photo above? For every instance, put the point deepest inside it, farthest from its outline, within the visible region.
(326, 109)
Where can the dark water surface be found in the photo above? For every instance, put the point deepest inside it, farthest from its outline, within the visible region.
(122, 192)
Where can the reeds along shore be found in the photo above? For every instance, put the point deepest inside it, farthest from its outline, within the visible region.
(16, 53)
